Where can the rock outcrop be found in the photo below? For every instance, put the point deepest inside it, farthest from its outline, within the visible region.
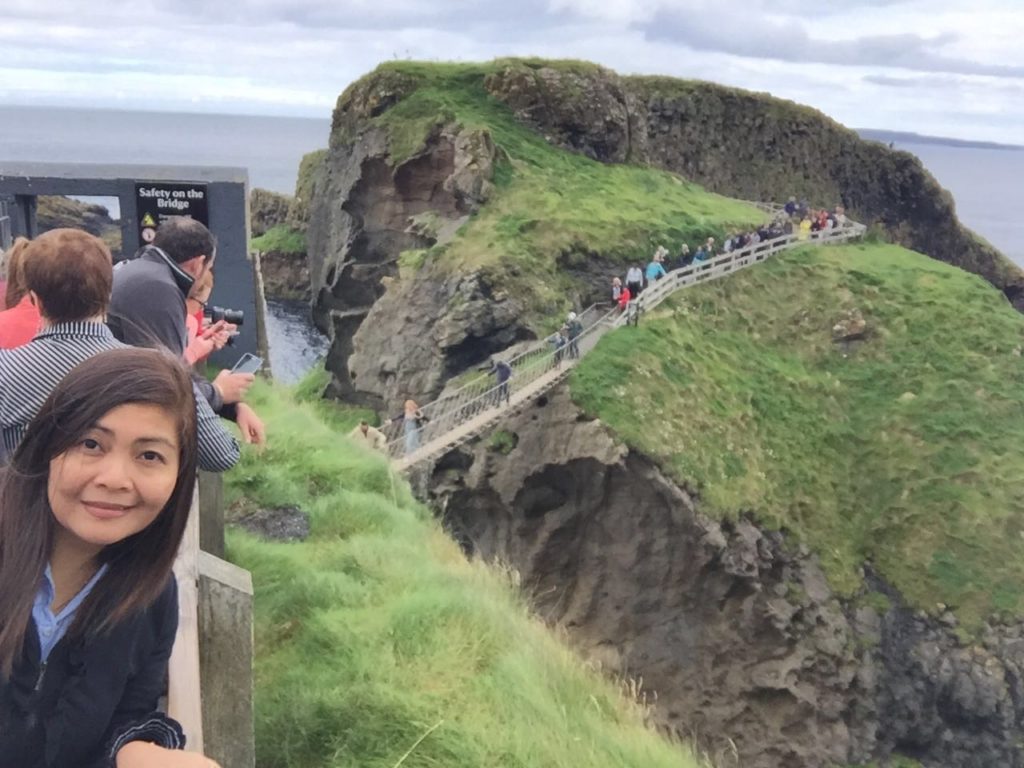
(732, 629)
(267, 210)
(285, 270)
(367, 210)
(285, 275)
(750, 146)
(56, 211)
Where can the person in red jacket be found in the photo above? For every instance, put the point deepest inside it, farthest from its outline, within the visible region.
(624, 297)
(20, 322)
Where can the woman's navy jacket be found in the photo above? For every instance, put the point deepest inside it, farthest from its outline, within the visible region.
(93, 695)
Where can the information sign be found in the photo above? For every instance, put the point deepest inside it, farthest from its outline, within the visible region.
(156, 201)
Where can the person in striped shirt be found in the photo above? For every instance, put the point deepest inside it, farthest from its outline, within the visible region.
(68, 273)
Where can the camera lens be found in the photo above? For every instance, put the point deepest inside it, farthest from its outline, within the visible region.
(216, 314)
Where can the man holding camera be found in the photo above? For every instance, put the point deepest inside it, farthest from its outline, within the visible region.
(147, 308)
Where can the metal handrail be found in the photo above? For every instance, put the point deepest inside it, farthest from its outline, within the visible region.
(469, 402)
(740, 258)
(483, 383)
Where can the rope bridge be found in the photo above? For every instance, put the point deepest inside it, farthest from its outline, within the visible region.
(477, 405)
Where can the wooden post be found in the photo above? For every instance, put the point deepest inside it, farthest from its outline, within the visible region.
(184, 701)
(226, 661)
(211, 513)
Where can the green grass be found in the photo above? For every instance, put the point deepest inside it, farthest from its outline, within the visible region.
(550, 208)
(378, 644)
(282, 239)
(906, 452)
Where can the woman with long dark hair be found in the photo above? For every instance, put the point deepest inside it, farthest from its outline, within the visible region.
(92, 510)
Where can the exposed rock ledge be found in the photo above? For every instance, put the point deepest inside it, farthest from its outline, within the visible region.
(366, 212)
(733, 628)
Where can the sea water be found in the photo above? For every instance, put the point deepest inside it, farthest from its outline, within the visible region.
(986, 183)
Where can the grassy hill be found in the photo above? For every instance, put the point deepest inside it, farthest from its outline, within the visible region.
(550, 209)
(379, 645)
(903, 451)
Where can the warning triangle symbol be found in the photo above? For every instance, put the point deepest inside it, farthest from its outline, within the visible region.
(148, 220)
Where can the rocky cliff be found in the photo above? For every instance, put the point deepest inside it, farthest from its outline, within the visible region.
(751, 146)
(417, 151)
(732, 629)
(435, 235)
(366, 212)
(56, 211)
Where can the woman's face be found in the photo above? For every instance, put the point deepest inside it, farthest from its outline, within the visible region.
(117, 478)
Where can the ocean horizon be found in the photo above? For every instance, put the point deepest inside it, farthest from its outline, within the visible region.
(983, 178)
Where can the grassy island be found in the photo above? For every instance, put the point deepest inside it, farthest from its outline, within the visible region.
(901, 450)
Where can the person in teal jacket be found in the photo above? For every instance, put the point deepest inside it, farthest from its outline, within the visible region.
(655, 271)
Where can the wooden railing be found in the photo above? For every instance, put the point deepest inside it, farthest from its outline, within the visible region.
(463, 414)
(741, 258)
(210, 683)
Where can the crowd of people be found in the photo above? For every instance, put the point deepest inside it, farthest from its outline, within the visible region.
(104, 420)
(795, 218)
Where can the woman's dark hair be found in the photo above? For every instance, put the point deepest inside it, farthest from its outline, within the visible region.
(138, 566)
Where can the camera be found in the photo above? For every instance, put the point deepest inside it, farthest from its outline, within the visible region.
(216, 314)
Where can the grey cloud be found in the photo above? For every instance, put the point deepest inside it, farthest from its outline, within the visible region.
(453, 16)
(948, 84)
(897, 82)
(761, 38)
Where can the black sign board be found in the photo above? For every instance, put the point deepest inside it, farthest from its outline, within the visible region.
(159, 200)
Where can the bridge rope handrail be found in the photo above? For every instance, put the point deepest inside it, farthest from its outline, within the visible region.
(479, 402)
(481, 384)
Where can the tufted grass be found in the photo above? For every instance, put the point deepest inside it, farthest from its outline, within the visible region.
(282, 239)
(905, 452)
(379, 645)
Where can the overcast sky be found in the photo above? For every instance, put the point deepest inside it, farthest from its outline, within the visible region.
(942, 67)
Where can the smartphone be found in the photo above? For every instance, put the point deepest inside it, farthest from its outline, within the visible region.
(247, 363)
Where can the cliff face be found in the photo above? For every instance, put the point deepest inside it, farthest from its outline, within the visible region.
(750, 146)
(408, 165)
(55, 211)
(366, 211)
(733, 629)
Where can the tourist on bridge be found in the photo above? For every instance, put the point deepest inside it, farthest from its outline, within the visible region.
(616, 289)
(635, 280)
(574, 329)
(624, 298)
(684, 257)
(502, 373)
(655, 271)
(92, 514)
(560, 338)
(369, 436)
(412, 419)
